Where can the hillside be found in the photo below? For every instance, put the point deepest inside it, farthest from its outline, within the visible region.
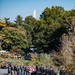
(53, 34)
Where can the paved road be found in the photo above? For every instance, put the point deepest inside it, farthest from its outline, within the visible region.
(3, 72)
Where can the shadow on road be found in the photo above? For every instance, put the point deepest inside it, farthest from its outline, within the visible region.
(5, 74)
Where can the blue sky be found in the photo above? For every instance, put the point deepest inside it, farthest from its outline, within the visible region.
(12, 8)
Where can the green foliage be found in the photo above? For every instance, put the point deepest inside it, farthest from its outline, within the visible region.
(44, 33)
(45, 59)
(30, 21)
(52, 15)
(47, 29)
(51, 26)
(28, 27)
(7, 21)
(38, 35)
(19, 20)
(29, 30)
(14, 37)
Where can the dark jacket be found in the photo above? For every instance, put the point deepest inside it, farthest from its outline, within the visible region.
(62, 72)
(51, 72)
(9, 69)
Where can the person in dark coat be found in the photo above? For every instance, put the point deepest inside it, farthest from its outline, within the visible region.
(15, 69)
(51, 71)
(9, 70)
(37, 68)
(12, 70)
(38, 72)
(62, 71)
(46, 70)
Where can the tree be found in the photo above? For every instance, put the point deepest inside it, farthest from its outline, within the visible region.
(68, 43)
(7, 21)
(19, 20)
(29, 30)
(30, 20)
(14, 37)
(53, 14)
(38, 35)
(54, 26)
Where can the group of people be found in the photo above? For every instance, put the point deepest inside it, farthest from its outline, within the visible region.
(38, 70)
(17, 70)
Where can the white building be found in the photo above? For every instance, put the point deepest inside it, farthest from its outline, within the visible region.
(34, 14)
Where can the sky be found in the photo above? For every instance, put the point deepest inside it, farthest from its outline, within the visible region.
(12, 8)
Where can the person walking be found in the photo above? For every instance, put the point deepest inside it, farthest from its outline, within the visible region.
(12, 70)
(62, 71)
(46, 70)
(51, 71)
(9, 70)
(25, 70)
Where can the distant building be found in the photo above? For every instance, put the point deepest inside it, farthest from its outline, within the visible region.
(34, 14)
